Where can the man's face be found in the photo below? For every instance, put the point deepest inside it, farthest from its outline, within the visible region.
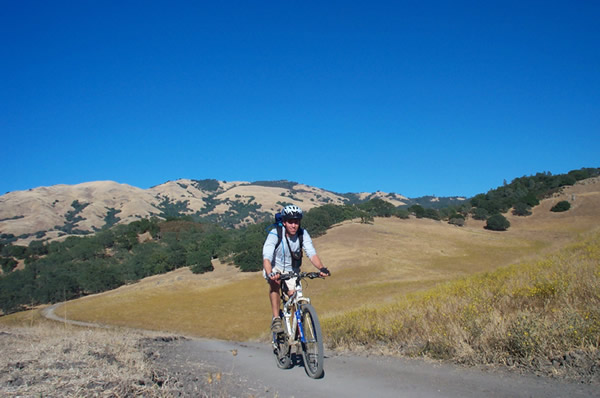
(291, 226)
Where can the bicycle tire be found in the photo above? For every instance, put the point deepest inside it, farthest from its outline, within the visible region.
(283, 357)
(312, 349)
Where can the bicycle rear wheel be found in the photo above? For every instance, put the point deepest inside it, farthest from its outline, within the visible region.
(312, 349)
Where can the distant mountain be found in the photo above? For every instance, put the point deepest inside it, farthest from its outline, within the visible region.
(436, 202)
(59, 210)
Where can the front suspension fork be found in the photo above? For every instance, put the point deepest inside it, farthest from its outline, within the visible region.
(300, 328)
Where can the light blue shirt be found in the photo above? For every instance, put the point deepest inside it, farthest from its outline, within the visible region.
(283, 257)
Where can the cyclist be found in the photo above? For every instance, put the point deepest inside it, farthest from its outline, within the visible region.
(282, 253)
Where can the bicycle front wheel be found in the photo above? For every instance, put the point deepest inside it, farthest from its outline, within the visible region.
(312, 348)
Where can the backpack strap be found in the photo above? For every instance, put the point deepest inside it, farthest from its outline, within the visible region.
(279, 228)
(279, 235)
(301, 237)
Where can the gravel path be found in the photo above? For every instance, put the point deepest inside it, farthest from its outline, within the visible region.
(249, 370)
(203, 367)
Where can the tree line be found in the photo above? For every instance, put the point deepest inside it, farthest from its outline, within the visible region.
(57, 271)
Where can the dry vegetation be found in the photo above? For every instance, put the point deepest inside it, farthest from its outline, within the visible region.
(41, 209)
(44, 359)
(542, 314)
(526, 297)
(372, 265)
(41, 358)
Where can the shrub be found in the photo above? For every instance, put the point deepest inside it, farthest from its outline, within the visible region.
(199, 261)
(402, 213)
(522, 209)
(8, 264)
(417, 210)
(432, 214)
(479, 213)
(457, 219)
(561, 206)
(497, 222)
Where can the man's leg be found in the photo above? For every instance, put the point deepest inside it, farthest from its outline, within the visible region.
(276, 325)
(274, 297)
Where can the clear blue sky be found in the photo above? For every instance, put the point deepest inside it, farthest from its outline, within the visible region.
(413, 97)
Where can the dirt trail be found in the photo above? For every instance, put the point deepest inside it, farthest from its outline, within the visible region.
(49, 313)
(249, 369)
(223, 368)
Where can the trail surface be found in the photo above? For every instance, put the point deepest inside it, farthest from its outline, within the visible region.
(249, 369)
(223, 368)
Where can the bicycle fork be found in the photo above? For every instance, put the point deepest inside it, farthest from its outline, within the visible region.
(299, 323)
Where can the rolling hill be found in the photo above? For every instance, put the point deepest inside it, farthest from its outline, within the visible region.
(47, 213)
(371, 264)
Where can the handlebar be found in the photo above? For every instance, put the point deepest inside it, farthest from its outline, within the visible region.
(300, 275)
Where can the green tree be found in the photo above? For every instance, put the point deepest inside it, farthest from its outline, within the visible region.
(457, 219)
(8, 264)
(563, 205)
(417, 210)
(19, 252)
(522, 209)
(402, 213)
(16, 291)
(479, 213)
(378, 208)
(199, 262)
(98, 275)
(497, 222)
(37, 248)
(432, 214)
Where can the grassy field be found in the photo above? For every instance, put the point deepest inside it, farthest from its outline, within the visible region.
(373, 265)
(539, 314)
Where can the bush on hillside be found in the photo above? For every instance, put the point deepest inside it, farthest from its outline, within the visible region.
(199, 262)
(497, 222)
(432, 214)
(8, 264)
(457, 219)
(522, 209)
(402, 213)
(417, 210)
(479, 213)
(563, 205)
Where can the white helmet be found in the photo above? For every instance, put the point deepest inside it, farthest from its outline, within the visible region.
(291, 212)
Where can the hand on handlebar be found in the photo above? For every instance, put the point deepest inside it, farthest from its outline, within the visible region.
(274, 276)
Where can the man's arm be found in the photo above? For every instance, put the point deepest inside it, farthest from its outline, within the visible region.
(316, 261)
(311, 253)
(269, 269)
(268, 253)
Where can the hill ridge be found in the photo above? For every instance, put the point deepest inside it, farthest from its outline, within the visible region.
(51, 212)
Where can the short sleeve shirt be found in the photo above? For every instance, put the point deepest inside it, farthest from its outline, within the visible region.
(283, 257)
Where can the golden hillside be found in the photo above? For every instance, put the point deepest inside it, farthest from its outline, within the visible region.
(371, 265)
(62, 210)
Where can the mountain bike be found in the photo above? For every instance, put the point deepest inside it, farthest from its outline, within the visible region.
(302, 330)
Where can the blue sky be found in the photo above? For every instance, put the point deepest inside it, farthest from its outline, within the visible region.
(417, 98)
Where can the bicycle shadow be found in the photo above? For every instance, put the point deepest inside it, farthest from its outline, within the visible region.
(297, 360)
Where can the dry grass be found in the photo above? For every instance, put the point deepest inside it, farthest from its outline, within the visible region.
(532, 311)
(372, 265)
(52, 360)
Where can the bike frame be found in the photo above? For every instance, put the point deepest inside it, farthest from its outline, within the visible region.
(293, 321)
(292, 340)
